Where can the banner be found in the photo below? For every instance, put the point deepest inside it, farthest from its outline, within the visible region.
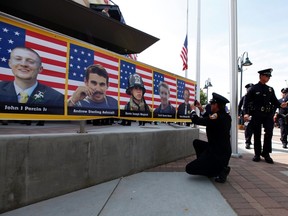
(48, 76)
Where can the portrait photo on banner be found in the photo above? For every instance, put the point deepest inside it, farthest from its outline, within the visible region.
(185, 98)
(32, 71)
(165, 95)
(135, 90)
(92, 83)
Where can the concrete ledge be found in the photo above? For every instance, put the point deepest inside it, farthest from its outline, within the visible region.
(35, 168)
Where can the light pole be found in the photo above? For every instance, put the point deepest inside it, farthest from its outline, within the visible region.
(240, 68)
(207, 85)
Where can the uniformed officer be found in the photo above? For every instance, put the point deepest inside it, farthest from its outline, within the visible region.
(282, 118)
(248, 129)
(264, 103)
(213, 156)
(247, 126)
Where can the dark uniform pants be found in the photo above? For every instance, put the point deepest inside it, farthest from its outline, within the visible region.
(284, 130)
(205, 164)
(265, 119)
(248, 133)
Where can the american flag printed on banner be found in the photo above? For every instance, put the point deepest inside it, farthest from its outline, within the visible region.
(52, 52)
(80, 58)
(181, 85)
(171, 81)
(126, 69)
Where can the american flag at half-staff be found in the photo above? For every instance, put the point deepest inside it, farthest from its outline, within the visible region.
(171, 81)
(80, 58)
(52, 52)
(126, 69)
(181, 85)
(184, 54)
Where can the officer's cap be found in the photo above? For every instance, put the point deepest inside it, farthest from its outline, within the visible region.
(266, 72)
(218, 99)
(284, 90)
(249, 85)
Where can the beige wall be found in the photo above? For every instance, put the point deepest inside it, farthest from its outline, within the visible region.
(35, 168)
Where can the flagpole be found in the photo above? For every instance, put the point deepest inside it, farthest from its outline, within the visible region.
(198, 50)
(186, 71)
(234, 76)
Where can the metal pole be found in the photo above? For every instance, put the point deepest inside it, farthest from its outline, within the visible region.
(186, 71)
(234, 77)
(198, 50)
(82, 124)
(241, 78)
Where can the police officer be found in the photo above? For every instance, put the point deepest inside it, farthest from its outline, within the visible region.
(213, 156)
(264, 103)
(282, 118)
(247, 126)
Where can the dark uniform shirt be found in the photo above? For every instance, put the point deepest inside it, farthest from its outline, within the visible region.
(240, 106)
(262, 99)
(283, 110)
(283, 113)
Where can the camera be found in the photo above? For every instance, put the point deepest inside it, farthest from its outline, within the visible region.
(193, 113)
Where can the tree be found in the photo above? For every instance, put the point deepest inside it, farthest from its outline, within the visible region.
(203, 97)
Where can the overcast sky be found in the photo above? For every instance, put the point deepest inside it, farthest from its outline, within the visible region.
(262, 32)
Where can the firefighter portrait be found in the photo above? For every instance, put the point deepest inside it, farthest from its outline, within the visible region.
(136, 90)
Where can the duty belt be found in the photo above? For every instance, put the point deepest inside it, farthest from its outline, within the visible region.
(266, 109)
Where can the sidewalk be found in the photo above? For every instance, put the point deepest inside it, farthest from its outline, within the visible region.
(251, 189)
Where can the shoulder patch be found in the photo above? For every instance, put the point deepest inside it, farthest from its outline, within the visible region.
(213, 116)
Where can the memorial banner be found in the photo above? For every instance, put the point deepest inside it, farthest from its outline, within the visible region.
(44, 75)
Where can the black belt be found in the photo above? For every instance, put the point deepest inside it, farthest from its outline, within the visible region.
(265, 109)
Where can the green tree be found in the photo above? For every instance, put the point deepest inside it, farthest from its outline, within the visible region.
(203, 97)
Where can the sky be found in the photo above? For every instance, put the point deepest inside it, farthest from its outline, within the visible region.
(262, 34)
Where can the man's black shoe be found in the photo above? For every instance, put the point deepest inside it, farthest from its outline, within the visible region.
(222, 177)
(256, 158)
(267, 158)
(247, 145)
(284, 145)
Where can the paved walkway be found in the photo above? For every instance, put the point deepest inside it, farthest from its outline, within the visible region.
(251, 189)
